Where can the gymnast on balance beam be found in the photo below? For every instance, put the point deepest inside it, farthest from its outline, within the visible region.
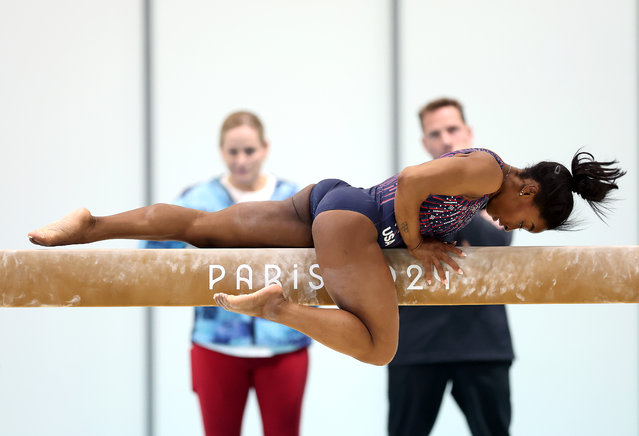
(349, 226)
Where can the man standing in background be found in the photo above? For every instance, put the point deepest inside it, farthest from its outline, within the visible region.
(469, 346)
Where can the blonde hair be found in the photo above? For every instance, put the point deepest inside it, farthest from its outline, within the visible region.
(242, 118)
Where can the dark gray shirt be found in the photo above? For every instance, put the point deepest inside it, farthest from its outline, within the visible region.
(439, 334)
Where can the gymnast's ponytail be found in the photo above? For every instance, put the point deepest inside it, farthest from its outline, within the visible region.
(590, 179)
(593, 180)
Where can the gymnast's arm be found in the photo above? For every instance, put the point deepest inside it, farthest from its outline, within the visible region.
(470, 175)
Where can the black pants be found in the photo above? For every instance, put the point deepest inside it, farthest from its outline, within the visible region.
(481, 389)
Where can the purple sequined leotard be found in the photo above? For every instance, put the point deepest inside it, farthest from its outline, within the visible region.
(439, 215)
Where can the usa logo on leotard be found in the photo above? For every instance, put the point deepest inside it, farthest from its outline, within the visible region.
(389, 236)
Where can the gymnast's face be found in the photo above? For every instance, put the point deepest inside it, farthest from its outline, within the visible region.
(244, 153)
(445, 131)
(514, 211)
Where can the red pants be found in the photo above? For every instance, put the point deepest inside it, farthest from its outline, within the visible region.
(222, 383)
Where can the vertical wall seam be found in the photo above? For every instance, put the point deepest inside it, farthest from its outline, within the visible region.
(148, 199)
(395, 89)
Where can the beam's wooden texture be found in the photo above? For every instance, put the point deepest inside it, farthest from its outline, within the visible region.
(493, 275)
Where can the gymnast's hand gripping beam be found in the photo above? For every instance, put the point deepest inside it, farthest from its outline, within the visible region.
(190, 277)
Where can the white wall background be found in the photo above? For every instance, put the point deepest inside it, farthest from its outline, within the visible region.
(539, 79)
(70, 136)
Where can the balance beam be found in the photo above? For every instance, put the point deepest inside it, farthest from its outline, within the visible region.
(190, 277)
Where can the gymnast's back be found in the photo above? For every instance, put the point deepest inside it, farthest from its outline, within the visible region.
(440, 215)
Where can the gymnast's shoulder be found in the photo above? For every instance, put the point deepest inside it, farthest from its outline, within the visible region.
(476, 166)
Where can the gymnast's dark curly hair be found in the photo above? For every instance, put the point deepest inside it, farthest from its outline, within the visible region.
(590, 179)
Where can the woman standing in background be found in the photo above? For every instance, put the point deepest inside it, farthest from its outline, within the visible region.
(232, 352)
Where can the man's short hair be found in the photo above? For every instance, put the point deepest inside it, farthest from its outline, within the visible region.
(440, 103)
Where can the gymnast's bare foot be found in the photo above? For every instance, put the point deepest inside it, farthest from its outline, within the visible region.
(262, 303)
(71, 229)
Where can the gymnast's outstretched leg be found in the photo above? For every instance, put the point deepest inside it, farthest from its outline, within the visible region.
(357, 278)
(354, 269)
(285, 223)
